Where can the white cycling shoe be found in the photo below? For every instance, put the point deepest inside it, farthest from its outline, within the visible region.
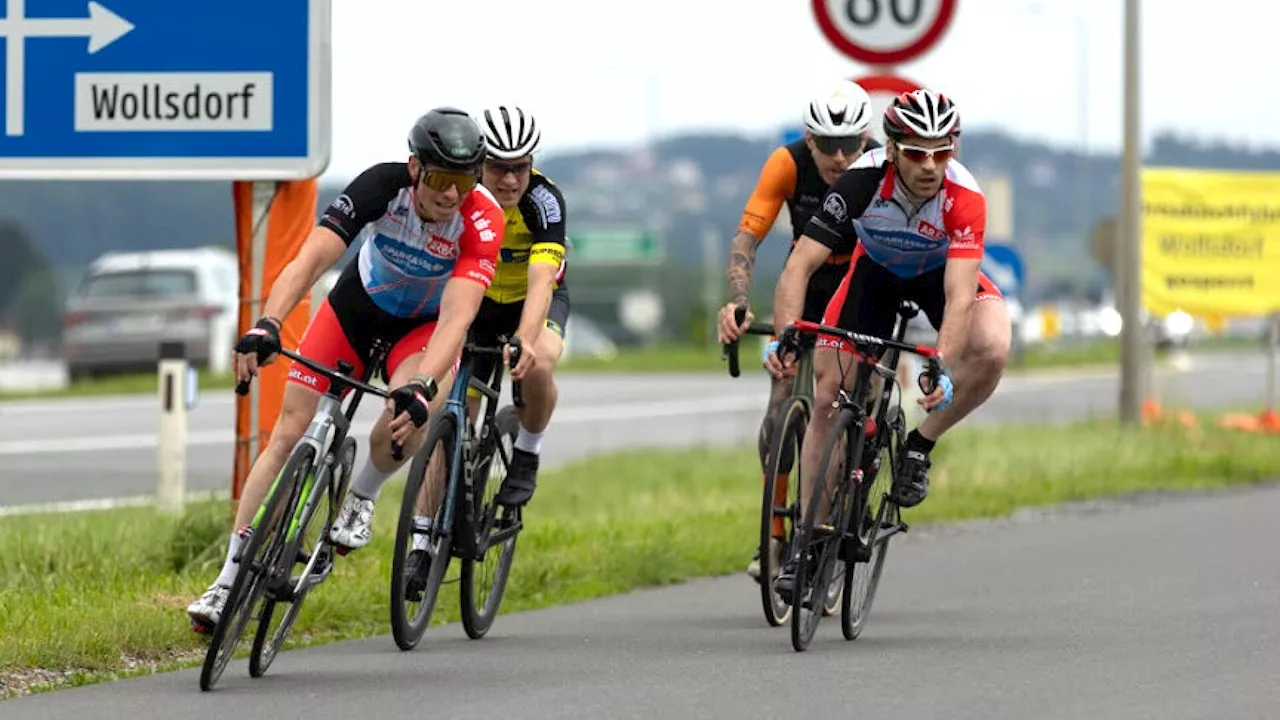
(206, 611)
(354, 526)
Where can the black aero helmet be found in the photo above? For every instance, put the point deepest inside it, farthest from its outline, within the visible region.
(447, 138)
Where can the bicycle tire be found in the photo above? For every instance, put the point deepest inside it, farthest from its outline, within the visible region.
(854, 619)
(406, 630)
(264, 652)
(805, 625)
(788, 439)
(477, 621)
(250, 578)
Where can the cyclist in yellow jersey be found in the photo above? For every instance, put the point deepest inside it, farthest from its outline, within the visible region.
(528, 296)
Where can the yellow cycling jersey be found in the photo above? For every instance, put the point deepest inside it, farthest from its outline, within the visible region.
(534, 234)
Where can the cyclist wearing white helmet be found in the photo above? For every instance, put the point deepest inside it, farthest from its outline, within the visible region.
(528, 296)
(914, 220)
(837, 122)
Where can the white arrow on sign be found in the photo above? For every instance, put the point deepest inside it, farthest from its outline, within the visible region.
(102, 27)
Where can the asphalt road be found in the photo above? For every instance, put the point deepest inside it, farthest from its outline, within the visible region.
(1160, 609)
(86, 449)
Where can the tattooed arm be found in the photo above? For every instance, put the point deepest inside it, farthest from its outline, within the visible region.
(742, 257)
(777, 183)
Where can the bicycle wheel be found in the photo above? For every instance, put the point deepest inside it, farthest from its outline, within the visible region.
(414, 598)
(877, 522)
(819, 546)
(783, 460)
(495, 527)
(259, 556)
(309, 540)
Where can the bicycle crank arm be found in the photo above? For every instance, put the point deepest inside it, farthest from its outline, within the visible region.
(306, 580)
(503, 535)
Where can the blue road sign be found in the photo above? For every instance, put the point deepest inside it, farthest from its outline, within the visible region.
(165, 89)
(1003, 265)
(791, 134)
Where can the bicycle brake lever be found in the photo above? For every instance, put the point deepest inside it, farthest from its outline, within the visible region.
(932, 371)
(729, 350)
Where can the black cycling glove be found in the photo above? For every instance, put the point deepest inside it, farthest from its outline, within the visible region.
(263, 340)
(412, 398)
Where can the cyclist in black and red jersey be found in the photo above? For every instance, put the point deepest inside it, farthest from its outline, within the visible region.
(431, 238)
(913, 219)
(837, 123)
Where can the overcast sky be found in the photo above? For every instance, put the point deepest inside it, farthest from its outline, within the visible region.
(664, 66)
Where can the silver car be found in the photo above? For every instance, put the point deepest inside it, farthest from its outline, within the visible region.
(129, 303)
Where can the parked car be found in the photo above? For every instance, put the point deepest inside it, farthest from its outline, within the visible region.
(127, 304)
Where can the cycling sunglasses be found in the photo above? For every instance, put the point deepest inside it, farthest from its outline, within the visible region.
(502, 168)
(850, 144)
(442, 180)
(919, 154)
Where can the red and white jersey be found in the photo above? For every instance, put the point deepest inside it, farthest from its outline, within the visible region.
(866, 207)
(406, 261)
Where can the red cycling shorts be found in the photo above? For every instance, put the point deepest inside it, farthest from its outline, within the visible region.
(325, 342)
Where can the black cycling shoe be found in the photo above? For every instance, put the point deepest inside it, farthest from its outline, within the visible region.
(522, 479)
(416, 568)
(911, 483)
(785, 583)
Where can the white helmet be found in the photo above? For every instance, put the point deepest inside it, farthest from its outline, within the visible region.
(843, 111)
(509, 132)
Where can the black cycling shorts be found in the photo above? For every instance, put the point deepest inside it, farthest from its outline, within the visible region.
(496, 319)
(868, 297)
(822, 285)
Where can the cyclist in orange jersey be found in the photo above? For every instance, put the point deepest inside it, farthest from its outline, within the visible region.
(837, 131)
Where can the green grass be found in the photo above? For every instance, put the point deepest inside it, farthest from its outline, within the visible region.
(105, 593)
(1107, 352)
(658, 359)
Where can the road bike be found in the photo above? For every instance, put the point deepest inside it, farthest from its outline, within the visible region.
(285, 534)
(780, 503)
(867, 436)
(469, 524)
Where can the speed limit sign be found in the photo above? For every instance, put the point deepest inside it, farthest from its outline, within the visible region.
(883, 32)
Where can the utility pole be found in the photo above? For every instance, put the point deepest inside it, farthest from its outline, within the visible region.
(1134, 353)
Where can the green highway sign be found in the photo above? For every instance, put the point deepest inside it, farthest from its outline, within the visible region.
(622, 246)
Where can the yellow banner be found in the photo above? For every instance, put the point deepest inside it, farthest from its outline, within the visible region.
(1210, 242)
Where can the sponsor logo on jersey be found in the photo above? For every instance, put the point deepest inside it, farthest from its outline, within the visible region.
(440, 247)
(930, 231)
(547, 205)
(900, 240)
(835, 206)
(408, 259)
(344, 205)
(964, 238)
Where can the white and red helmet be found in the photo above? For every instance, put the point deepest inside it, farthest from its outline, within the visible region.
(922, 114)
